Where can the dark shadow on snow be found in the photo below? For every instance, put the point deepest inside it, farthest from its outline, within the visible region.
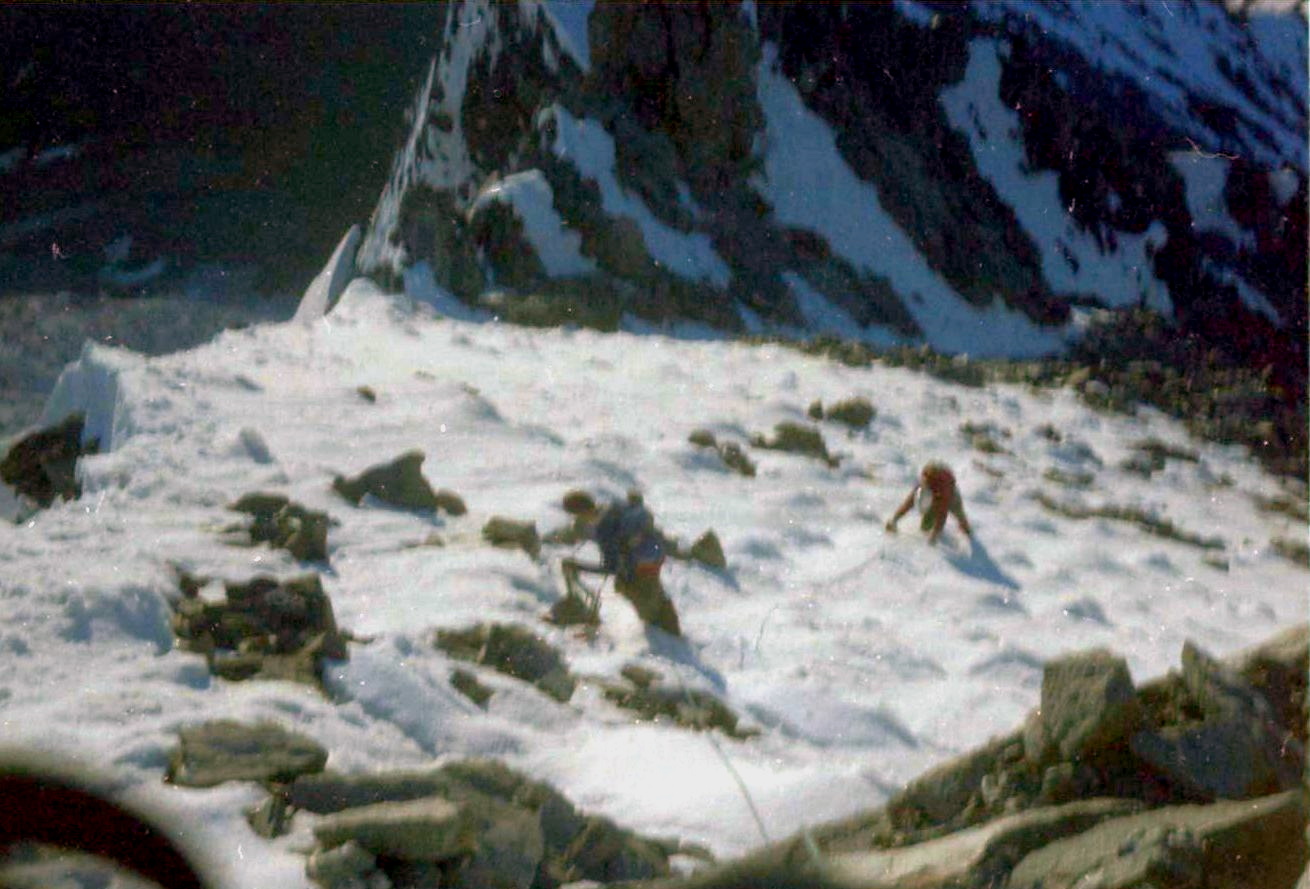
(680, 652)
(978, 563)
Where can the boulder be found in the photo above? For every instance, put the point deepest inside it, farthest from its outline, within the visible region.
(729, 451)
(796, 438)
(500, 531)
(215, 752)
(42, 465)
(856, 412)
(426, 829)
(979, 856)
(1237, 750)
(1227, 845)
(399, 483)
(450, 502)
(516, 832)
(263, 628)
(708, 551)
(278, 521)
(940, 795)
(271, 818)
(735, 459)
(347, 866)
(514, 651)
(1278, 669)
(1088, 704)
(606, 853)
(507, 850)
(650, 699)
(467, 684)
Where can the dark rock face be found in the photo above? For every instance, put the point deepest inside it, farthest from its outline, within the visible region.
(657, 149)
(42, 465)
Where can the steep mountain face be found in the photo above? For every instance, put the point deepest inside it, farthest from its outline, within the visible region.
(978, 177)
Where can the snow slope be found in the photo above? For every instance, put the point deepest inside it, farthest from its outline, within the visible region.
(863, 656)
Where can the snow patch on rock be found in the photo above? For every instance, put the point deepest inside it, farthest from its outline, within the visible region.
(1073, 259)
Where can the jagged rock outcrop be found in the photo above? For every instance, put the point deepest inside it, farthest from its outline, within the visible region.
(471, 823)
(964, 175)
(1069, 800)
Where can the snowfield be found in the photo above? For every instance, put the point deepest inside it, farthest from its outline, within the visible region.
(862, 656)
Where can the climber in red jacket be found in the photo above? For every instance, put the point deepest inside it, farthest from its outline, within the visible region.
(937, 483)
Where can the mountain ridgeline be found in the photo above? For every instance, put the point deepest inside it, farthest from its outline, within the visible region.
(983, 178)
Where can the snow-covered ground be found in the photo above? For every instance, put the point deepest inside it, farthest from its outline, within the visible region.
(863, 656)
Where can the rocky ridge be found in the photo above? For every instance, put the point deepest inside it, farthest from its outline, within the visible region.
(655, 174)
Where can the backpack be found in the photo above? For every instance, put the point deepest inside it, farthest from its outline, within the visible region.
(646, 556)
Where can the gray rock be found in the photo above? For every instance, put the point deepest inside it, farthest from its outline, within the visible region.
(450, 502)
(327, 792)
(709, 551)
(735, 459)
(264, 628)
(215, 752)
(348, 866)
(508, 848)
(1088, 703)
(500, 531)
(1222, 759)
(278, 521)
(856, 412)
(399, 482)
(1227, 845)
(1278, 668)
(603, 851)
(467, 684)
(689, 708)
(427, 829)
(271, 818)
(796, 438)
(514, 651)
(941, 794)
(702, 438)
(1238, 750)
